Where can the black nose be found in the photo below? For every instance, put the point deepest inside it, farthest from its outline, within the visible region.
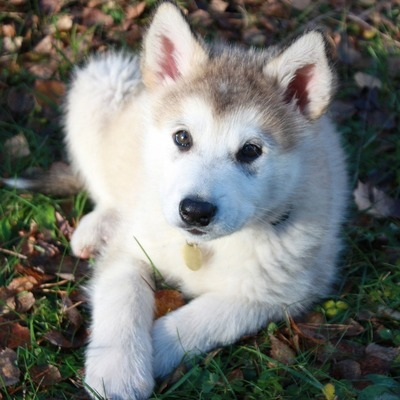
(197, 213)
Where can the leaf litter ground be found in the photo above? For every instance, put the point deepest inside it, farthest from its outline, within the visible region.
(347, 347)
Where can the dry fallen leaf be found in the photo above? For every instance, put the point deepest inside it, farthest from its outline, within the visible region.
(365, 80)
(45, 374)
(329, 331)
(49, 92)
(375, 201)
(58, 339)
(93, 16)
(167, 300)
(16, 147)
(71, 312)
(7, 301)
(13, 335)
(50, 6)
(64, 23)
(382, 352)
(346, 369)
(219, 5)
(19, 100)
(9, 372)
(281, 352)
(22, 283)
(136, 10)
(24, 302)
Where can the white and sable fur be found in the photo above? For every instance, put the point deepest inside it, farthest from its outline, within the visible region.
(272, 246)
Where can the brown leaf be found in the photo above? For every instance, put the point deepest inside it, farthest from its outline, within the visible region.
(236, 374)
(39, 275)
(64, 23)
(8, 30)
(21, 284)
(13, 335)
(47, 45)
(19, 100)
(167, 300)
(9, 372)
(12, 44)
(382, 352)
(7, 301)
(219, 5)
(281, 352)
(58, 339)
(49, 92)
(24, 302)
(44, 70)
(375, 201)
(16, 147)
(64, 266)
(324, 332)
(135, 10)
(365, 80)
(341, 350)
(64, 226)
(346, 369)
(51, 6)
(93, 16)
(72, 313)
(374, 365)
(45, 374)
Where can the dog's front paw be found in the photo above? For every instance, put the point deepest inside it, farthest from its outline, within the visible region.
(93, 232)
(171, 344)
(114, 375)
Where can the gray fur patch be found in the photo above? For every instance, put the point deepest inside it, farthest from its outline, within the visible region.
(233, 80)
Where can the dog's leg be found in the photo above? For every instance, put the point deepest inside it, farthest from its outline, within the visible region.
(119, 355)
(207, 322)
(94, 232)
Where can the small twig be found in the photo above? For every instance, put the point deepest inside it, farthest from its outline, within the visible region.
(73, 306)
(49, 285)
(13, 253)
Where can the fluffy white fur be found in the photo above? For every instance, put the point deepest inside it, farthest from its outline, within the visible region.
(119, 132)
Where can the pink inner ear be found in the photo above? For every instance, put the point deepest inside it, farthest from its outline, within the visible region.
(298, 88)
(168, 63)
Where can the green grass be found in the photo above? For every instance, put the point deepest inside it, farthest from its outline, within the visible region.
(370, 265)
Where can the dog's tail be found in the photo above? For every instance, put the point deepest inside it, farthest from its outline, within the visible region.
(59, 180)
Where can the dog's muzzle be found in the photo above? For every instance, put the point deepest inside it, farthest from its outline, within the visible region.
(196, 212)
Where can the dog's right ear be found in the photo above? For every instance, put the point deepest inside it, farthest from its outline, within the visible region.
(171, 50)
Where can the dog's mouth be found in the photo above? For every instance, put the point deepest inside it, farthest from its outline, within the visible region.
(195, 231)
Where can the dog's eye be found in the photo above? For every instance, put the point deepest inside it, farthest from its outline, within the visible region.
(183, 139)
(248, 153)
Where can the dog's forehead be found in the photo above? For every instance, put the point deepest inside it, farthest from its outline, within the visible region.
(235, 90)
(230, 82)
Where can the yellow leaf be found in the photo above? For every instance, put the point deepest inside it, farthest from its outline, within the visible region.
(329, 391)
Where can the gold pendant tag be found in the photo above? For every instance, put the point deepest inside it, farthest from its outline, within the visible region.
(192, 256)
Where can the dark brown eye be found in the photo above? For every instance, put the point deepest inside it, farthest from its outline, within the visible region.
(183, 139)
(248, 153)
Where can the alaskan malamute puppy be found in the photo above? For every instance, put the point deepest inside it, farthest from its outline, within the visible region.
(219, 166)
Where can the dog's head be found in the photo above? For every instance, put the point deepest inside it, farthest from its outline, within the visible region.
(227, 125)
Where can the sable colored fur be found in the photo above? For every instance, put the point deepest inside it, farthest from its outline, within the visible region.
(228, 151)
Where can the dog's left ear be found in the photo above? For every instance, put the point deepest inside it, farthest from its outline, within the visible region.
(303, 71)
(171, 50)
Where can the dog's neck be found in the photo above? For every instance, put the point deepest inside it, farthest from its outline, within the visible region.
(192, 253)
(282, 218)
